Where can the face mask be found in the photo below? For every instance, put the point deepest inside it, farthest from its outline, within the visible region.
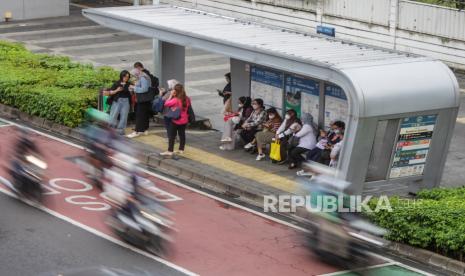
(271, 117)
(337, 131)
(287, 116)
(255, 106)
(240, 105)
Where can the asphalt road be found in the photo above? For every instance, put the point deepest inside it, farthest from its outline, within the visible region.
(34, 242)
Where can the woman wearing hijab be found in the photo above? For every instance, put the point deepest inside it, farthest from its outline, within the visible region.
(307, 141)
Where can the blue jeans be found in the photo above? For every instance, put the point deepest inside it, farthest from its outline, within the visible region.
(121, 108)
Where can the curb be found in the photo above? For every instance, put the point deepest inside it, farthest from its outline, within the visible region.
(452, 266)
(232, 187)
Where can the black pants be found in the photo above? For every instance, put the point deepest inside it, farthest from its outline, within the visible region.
(295, 156)
(174, 131)
(283, 148)
(143, 111)
(314, 154)
(248, 135)
(325, 157)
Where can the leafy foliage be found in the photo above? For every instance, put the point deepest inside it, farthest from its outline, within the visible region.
(458, 4)
(435, 220)
(48, 86)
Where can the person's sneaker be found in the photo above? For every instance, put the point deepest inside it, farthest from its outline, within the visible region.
(248, 146)
(222, 148)
(180, 152)
(226, 140)
(260, 157)
(303, 173)
(146, 132)
(167, 153)
(133, 135)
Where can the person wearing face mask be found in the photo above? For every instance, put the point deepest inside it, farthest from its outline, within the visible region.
(290, 125)
(336, 150)
(334, 137)
(307, 141)
(233, 121)
(253, 124)
(266, 136)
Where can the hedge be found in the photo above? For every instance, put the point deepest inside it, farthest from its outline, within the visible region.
(434, 220)
(49, 86)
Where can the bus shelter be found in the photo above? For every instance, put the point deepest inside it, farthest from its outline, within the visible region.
(399, 109)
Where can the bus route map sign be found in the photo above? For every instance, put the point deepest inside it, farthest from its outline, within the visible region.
(412, 146)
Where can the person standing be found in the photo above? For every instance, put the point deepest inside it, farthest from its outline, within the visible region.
(120, 98)
(227, 91)
(154, 82)
(177, 100)
(143, 104)
(166, 94)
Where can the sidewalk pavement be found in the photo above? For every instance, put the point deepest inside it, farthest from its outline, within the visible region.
(202, 148)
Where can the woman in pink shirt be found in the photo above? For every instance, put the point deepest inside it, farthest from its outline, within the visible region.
(178, 99)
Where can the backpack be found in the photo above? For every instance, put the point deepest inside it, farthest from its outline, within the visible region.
(154, 83)
(158, 105)
(191, 114)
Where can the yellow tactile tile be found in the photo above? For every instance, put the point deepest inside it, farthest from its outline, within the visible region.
(219, 162)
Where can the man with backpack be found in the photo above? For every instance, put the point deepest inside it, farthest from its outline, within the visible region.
(154, 80)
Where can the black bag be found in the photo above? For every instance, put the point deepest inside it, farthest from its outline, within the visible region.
(191, 114)
(154, 83)
(145, 97)
(293, 142)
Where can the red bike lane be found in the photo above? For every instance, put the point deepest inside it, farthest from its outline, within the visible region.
(213, 238)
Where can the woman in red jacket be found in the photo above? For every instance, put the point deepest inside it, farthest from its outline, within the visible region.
(178, 100)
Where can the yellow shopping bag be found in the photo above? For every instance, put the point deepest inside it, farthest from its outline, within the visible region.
(275, 151)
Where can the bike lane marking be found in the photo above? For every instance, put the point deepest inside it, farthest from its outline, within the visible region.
(105, 236)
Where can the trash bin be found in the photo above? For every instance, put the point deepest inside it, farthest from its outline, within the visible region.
(102, 102)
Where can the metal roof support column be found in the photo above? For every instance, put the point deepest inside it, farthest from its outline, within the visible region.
(157, 53)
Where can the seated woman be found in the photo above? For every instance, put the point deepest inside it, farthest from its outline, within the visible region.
(315, 153)
(266, 136)
(290, 125)
(254, 123)
(334, 137)
(335, 152)
(307, 141)
(233, 120)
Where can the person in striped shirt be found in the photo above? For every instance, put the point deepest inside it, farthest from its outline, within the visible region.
(266, 136)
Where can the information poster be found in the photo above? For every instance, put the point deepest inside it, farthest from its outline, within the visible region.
(267, 85)
(302, 95)
(336, 106)
(412, 146)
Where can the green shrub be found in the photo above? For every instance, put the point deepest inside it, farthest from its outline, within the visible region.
(435, 220)
(48, 86)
